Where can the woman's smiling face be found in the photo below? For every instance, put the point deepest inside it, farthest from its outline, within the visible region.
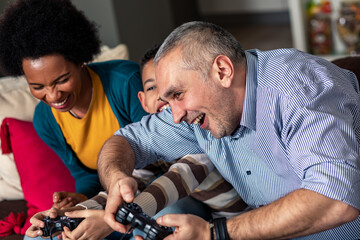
(54, 80)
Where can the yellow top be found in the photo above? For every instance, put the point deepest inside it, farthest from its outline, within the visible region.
(87, 135)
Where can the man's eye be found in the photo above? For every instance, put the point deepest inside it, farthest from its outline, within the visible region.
(177, 95)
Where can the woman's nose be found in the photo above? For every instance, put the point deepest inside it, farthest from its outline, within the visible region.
(52, 94)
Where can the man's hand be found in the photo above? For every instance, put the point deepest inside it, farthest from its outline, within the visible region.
(92, 227)
(63, 199)
(187, 227)
(120, 190)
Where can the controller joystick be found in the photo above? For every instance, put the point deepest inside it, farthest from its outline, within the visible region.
(57, 224)
(131, 213)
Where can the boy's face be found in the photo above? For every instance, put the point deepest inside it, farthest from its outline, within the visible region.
(150, 98)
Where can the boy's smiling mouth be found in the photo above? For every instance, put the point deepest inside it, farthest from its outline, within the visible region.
(163, 107)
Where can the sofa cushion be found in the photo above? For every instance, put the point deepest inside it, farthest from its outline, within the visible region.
(118, 52)
(16, 101)
(41, 171)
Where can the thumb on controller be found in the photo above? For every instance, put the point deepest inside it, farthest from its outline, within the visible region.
(169, 220)
(76, 214)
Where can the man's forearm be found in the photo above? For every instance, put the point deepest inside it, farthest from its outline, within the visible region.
(116, 160)
(300, 213)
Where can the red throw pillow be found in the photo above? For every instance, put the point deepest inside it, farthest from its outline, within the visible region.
(41, 171)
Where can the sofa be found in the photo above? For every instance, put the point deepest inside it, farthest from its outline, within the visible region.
(17, 106)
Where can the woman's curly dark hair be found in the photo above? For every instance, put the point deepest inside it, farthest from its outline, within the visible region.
(35, 28)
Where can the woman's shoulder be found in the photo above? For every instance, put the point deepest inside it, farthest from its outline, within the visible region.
(115, 67)
(118, 74)
(43, 117)
(41, 110)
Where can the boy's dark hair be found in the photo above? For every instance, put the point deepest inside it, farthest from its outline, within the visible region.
(149, 54)
(35, 28)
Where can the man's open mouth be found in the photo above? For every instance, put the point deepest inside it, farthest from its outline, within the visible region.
(199, 119)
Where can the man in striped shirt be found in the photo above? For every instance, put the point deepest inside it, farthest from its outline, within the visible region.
(296, 116)
(192, 174)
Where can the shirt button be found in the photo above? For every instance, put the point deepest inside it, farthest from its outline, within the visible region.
(248, 172)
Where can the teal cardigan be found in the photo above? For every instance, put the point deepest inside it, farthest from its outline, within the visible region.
(121, 82)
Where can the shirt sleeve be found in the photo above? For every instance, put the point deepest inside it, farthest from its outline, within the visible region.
(322, 137)
(156, 136)
(97, 202)
(180, 181)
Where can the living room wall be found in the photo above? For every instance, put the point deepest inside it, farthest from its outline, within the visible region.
(137, 23)
(142, 23)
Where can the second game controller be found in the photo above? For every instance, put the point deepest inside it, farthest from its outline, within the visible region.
(131, 213)
(57, 224)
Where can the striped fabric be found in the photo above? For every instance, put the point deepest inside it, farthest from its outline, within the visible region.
(192, 174)
(97, 202)
(300, 123)
(195, 175)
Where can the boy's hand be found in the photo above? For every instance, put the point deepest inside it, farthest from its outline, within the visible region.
(64, 199)
(92, 227)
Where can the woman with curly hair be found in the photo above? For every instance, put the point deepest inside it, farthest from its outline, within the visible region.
(82, 105)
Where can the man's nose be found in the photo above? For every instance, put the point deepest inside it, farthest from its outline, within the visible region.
(178, 113)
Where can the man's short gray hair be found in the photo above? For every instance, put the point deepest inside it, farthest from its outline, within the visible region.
(201, 43)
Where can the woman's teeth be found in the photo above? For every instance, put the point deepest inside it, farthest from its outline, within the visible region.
(60, 103)
(198, 119)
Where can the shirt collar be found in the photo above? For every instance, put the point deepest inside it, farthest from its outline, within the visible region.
(248, 117)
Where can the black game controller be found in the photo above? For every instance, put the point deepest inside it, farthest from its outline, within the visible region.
(57, 224)
(131, 213)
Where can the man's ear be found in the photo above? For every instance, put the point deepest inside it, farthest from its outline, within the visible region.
(141, 96)
(224, 70)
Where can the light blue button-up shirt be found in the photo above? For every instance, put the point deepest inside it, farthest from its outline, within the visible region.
(300, 128)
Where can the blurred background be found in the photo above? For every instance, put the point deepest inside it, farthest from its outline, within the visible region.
(308, 25)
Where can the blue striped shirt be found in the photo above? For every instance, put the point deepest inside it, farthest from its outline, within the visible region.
(300, 128)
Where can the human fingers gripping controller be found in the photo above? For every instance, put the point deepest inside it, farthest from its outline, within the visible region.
(53, 225)
(131, 213)
(121, 189)
(65, 199)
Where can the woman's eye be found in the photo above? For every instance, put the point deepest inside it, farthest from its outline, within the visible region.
(37, 87)
(62, 81)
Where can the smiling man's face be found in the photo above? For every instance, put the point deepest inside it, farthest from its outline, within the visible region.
(193, 99)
